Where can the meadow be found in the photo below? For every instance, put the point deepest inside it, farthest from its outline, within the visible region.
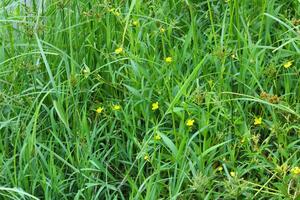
(149, 99)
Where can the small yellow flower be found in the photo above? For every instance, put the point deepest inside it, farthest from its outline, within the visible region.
(99, 110)
(220, 168)
(232, 174)
(116, 13)
(157, 137)
(168, 59)
(135, 23)
(257, 120)
(162, 30)
(147, 158)
(119, 50)
(295, 171)
(116, 107)
(288, 64)
(155, 106)
(190, 122)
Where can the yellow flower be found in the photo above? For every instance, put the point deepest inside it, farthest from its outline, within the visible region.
(162, 30)
(168, 59)
(147, 158)
(157, 137)
(116, 13)
(295, 171)
(220, 168)
(155, 106)
(116, 107)
(99, 110)
(190, 122)
(232, 174)
(135, 23)
(288, 64)
(257, 120)
(119, 50)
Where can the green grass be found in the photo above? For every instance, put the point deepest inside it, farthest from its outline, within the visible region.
(58, 65)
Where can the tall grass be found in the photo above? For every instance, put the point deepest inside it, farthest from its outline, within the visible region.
(233, 71)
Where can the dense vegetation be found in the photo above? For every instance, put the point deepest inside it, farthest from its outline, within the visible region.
(149, 99)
